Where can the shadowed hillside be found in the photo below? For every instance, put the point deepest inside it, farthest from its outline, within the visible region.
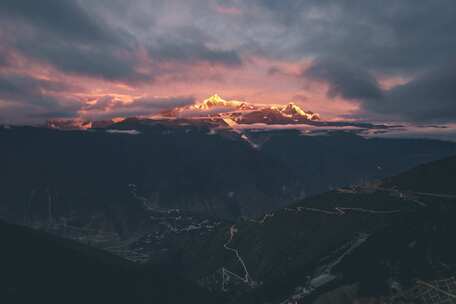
(38, 268)
(369, 236)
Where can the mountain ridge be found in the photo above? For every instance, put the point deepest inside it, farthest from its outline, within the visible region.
(212, 107)
(215, 106)
(287, 259)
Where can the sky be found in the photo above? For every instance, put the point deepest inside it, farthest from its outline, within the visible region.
(389, 60)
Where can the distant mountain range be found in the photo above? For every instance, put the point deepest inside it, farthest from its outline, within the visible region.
(225, 113)
(242, 112)
(220, 115)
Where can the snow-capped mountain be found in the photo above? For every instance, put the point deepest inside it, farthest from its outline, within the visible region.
(243, 112)
(214, 109)
(215, 101)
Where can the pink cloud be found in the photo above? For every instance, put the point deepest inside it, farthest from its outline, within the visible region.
(260, 80)
(227, 10)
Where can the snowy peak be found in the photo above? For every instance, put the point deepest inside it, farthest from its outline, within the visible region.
(242, 112)
(293, 110)
(215, 109)
(217, 101)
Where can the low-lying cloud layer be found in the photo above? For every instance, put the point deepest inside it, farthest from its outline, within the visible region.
(388, 60)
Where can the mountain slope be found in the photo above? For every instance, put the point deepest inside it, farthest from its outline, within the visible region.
(341, 159)
(38, 268)
(422, 178)
(85, 177)
(174, 167)
(366, 235)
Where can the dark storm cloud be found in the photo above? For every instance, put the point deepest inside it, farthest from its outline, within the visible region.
(4, 57)
(189, 51)
(100, 61)
(345, 79)
(190, 45)
(392, 36)
(35, 97)
(352, 41)
(20, 87)
(431, 96)
(64, 34)
(65, 17)
(75, 40)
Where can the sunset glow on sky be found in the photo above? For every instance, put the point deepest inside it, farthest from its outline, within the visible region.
(343, 59)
